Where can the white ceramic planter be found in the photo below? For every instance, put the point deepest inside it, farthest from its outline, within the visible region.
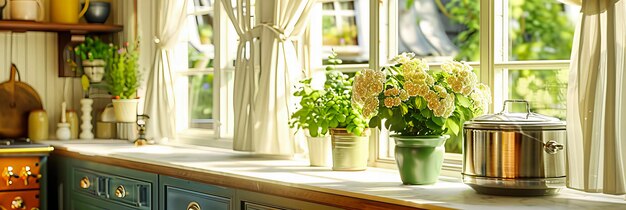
(320, 151)
(94, 69)
(125, 110)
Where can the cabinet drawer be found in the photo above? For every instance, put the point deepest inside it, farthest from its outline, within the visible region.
(129, 191)
(29, 199)
(18, 167)
(177, 198)
(88, 182)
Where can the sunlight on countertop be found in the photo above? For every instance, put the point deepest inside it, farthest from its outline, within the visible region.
(371, 183)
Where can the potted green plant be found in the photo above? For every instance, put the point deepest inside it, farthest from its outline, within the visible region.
(420, 107)
(330, 110)
(310, 117)
(93, 52)
(348, 128)
(122, 78)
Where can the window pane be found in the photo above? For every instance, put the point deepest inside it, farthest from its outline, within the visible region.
(201, 101)
(328, 6)
(546, 90)
(346, 5)
(439, 30)
(200, 37)
(345, 29)
(540, 30)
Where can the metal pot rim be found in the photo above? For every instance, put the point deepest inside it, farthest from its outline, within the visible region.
(515, 125)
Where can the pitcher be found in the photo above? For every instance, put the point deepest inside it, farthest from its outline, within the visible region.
(66, 11)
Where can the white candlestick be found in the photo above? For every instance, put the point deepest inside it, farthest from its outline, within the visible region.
(63, 112)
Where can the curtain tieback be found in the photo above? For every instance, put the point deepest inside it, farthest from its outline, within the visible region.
(256, 32)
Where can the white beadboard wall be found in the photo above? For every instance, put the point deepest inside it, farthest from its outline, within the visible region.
(35, 55)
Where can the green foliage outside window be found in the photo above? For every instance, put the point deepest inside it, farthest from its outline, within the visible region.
(201, 96)
(539, 30)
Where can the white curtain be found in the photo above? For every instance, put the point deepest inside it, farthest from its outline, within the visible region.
(159, 103)
(596, 112)
(262, 92)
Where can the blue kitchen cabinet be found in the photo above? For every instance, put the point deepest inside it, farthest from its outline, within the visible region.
(85, 185)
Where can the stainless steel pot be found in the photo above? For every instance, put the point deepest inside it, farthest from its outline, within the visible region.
(514, 153)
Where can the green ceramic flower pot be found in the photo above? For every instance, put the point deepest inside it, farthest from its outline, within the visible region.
(419, 158)
(350, 152)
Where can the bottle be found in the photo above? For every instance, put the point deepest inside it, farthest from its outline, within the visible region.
(72, 119)
(38, 125)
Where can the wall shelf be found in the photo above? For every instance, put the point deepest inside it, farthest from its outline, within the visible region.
(79, 28)
(69, 35)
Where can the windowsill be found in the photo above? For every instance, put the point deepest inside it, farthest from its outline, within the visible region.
(381, 185)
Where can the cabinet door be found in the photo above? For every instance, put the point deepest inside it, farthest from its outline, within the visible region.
(178, 194)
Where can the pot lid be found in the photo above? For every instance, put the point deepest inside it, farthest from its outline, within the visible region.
(527, 118)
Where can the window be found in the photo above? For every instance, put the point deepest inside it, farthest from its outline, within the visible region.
(204, 81)
(528, 57)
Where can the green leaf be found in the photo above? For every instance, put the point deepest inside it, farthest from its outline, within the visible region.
(333, 124)
(433, 126)
(313, 131)
(426, 113)
(439, 120)
(453, 125)
(341, 117)
(375, 122)
(463, 101)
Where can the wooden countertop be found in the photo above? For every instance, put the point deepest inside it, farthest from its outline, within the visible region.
(371, 189)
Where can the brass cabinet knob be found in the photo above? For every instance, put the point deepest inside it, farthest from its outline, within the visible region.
(120, 191)
(85, 183)
(17, 203)
(26, 174)
(8, 174)
(193, 206)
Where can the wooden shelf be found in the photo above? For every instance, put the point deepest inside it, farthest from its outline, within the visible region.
(69, 35)
(79, 28)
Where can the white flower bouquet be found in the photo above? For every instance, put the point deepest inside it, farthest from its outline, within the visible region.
(416, 101)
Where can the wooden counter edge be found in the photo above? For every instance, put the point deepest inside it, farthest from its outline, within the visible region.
(327, 197)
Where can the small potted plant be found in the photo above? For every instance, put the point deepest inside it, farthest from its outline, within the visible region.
(330, 110)
(348, 127)
(311, 118)
(420, 107)
(93, 53)
(122, 78)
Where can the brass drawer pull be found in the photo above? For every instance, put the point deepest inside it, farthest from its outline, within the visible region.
(85, 183)
(120, 191)
(17, 203)
(8, 175)
(193, 206)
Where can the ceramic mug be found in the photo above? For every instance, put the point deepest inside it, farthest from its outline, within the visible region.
(26, 10)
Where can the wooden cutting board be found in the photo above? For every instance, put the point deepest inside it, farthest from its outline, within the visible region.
(17, 100)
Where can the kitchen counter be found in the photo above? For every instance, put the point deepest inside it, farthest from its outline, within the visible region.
(295, 179)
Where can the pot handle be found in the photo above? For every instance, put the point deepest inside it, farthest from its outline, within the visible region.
(552, 147)
(504, 110)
